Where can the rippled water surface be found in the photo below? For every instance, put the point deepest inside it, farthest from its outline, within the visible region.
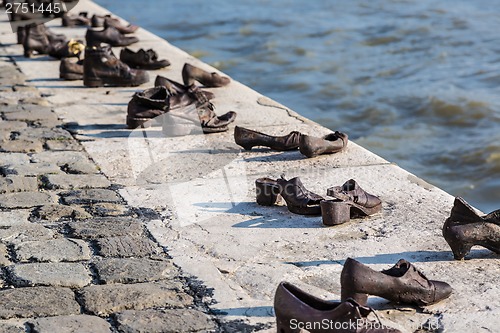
(417, 82)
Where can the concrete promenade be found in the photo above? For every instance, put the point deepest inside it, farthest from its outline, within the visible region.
(103, 229)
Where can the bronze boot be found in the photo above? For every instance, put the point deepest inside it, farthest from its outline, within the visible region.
(311, 146)
(81, 19)
(297, 310)
(362, 203)
(190, 74)
(465, 228)
(35, 40)
(402, 283)
(102, 68)
(249, 139)
(115, 23)
(298, 199)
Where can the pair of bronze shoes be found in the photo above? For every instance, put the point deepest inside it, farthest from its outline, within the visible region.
(349, 200)
(465, 228)
(309, 146)
(403, 283)
(183, 109)
(38, 38)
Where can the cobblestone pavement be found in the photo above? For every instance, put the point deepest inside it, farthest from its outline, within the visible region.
(73, 256)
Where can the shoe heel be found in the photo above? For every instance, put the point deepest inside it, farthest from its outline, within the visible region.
(283, 327)
(267, 192)
(460, 250)
(360, 298)
(335, 212)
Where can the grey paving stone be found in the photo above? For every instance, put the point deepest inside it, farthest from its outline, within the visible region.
(11, 327)
(11, 184)
(13, 217)
(126, 247)
(53, 250)
(63, 145)
(72, 275)
(164, 321)
(37, 302)
(134, 270)
(24, 232)
(21, 146)
(70, 161)
(106, 299)
(54, 133)
(4, 255)
(71, 324)
(106, 227)
(71, 182)
(60, 212)
(6, 127)
(30, 169)
(108, 209)
(32, 115)
(26, 199)
(13, 159)
(90, 196)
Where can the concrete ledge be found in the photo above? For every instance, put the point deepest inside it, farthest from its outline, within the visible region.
(203, 188)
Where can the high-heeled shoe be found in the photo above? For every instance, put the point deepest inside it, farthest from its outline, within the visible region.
(402, 283)
(362, 203)
(190, 74)
(296, 310)
(248, 139)
(465, 228)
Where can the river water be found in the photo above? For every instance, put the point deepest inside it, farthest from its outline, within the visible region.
(417, 82)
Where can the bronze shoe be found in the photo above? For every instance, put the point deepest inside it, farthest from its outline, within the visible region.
(249, 139)
(124, 29)
(69, 20)
(402, 283)
(190, 74)
(465, 228)
(102, 68)
(298, 199)
(110, 35)
(177, 88)
(35, 40)
(147, 105)
(296, 310)
(362, 203)
(311, 146)
(71, 71)
(143, 59)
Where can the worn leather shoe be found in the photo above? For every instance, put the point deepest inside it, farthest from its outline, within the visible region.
(143, 59)
(465, 228)
(190, 74)
(71, 71)
(299, 200)
(311, 146)
(402, 283)
(70, 20)
(248, 139)
(110, 35)
(102, 68)
(297, 310)
(362, 203)
(147, 105)
(98, 21)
